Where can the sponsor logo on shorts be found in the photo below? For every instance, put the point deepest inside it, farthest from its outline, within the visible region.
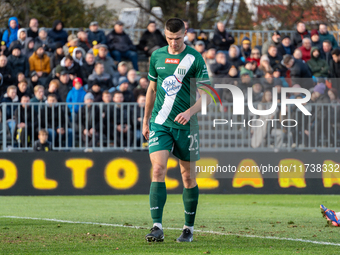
(152, 133)
(152, 140)
(172, 61)
(153, 144)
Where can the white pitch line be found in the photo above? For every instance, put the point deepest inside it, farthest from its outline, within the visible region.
(198, 230)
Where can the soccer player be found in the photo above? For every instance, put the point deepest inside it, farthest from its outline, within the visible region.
(331, 216)
(173, 125)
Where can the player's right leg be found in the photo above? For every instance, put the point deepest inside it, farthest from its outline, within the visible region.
(331, 216)
(158, 194)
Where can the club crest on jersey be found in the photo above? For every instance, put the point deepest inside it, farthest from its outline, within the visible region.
(172, 61)
(182, 70)
(171, 85)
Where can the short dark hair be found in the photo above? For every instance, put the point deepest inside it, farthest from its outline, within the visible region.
(117, 92)
(336, 52)
(69, 57)
(327, 41)
(174, 25)
(52, 95)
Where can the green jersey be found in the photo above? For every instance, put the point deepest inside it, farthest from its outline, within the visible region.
(174, 90)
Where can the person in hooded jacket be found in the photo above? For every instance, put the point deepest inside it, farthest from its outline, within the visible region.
(78, 55)
(18, 62)
(317, 65)
(222, 39)
(11, 33)
(45, 41)
(233, 57)
(29, 47)
(57, 56)
(87, 67)
(22, 38)
(57, 33)
(152, 39)
(76, 95)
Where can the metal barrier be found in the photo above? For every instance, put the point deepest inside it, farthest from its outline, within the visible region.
(118, 127)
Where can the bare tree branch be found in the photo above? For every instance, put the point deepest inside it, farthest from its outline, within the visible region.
(137, 3)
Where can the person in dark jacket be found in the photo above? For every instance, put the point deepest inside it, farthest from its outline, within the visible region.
(11, 33)
(42, 144)
(285, 47)
(152, 39)
(335, 69)
(6, 78)
(325, 35)
(100, 78)
(221, 68)
(317, 65)
(18, 62)
(83, 41)
(33, 31)
(71, 67)
(57, 33)
(222, 39)
(326, 51)
(245, 48)
(204, 36)
(46, 42)
(123, 85)
(314, 35)
(275, 40)
(120, 45)
(3, 49)
(95, 34)
(29, 47)
(57, 56)
(233, 57)
(274, 58)
(106, 60)
(300, 33)
(87, 67)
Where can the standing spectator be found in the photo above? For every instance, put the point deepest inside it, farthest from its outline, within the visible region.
(318, 66)
(141, 88)
(76, 95)
(39, 97)
(87, 67)
(298, 69)
(57, 56)
(29, 47)
(326, 51)
(6, 78)
(21, 39)
(191, 38)
(335, 69)
(275, 40)
(315, 39)
(245, 48)
(18, 62)
(152, 39)
(42, 144)
(300, 33)
(40, 63)
(233, 57)
(305, 49)
(325, 35)
(123, 88)
(107, 61)
(100, 77)
(120, 45)
(132, 77)
(45, 41)
(83, 41)
(11, 33)
(33, 30)
(57, 33)
(95, 34)
(222, 39)
(285, 47)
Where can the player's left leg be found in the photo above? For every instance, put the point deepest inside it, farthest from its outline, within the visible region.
(331, 216)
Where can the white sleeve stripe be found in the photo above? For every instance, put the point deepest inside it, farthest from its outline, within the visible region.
(151, 76)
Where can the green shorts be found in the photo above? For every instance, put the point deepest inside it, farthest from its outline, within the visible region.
(184, 144)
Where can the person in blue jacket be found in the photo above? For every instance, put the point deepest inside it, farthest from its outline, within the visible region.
(57, 33)
(76, 95)
(10, 34)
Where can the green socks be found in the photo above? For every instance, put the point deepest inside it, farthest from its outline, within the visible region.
(190, 200)
(157, 200)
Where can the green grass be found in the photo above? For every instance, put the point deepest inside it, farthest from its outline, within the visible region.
(285, 216)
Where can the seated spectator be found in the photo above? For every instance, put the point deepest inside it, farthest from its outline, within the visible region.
(29, 47)
(269, 82)
(325, 35)
(42, 144)
(326, 51)
(297, 54)
(274, 58)
(100, 78)
(222, 39)
(257, 92)
(23, 90)
(57, 33)
(46, 42)
(95, 34)
(255, 55)
(191, 38)
(65, 84)
(141, 88)
(53, 87)
(107, 61)
(87, 67)
(96, 92)
(200, 47)
(72, 43)
(285, 47)
(305, 49)
(11, 33)
(333, 96)
(277, 75)
(245, 48)
(18, 63)
(318, 66)
(298, 69)
(209, 58)
(132, 78)
(57, 56)
(123, 88)
(315, 39)
(90, 120)
(275, 40)
(78, 56)
(257, 73)
(10, 97)
(20, 77)
(300, 33)
(53, 120)
(204, 36)
(33, 28)
(121, 72)
(23, 123)
(232, 78)
(3, 49)
(76, 95)
(120, 45)
(22, 36)
(6, 78)
(40, 63)
(335, 69)
(152, 39)
(221, 68)
(39, 97)
(233, 57)
(71, 67)
(83, 41)
(265, 65)
(33, 80)
(245, 81)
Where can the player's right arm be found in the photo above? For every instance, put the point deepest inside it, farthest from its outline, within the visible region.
(149, 102)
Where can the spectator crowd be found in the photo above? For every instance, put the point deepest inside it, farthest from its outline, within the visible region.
(45, 67)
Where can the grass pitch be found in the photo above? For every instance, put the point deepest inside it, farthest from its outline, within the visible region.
(241, 221)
